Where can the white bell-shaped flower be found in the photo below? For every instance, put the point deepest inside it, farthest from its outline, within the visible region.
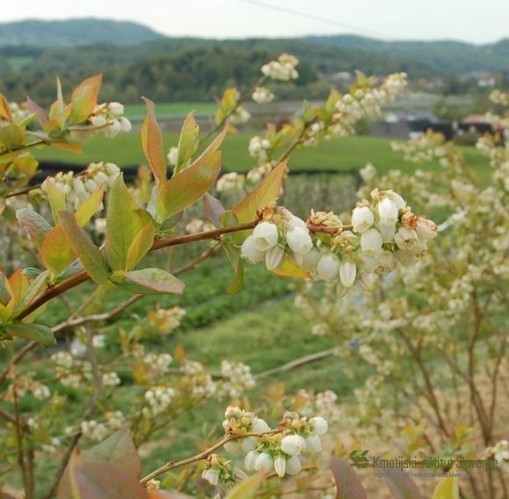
(362, 218)
(265, 236)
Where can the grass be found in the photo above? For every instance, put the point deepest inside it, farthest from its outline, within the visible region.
(336, 154)
(173, 109)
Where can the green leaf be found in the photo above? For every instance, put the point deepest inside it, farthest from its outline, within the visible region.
(118, 450)
(56, 199)
(448, 487)
(237, 283)
(90, 206)
(35, 286)
(34, 224)
(56, 252)
(11, 137)
(149, 282)
(141, 245)
(84, 99)
(188, 142)
(264, 195)
(124, 220)
(402, 486)
(5, 111)
(152, 144)
(247, 489)
(33, 332)
(187, 187)
(348, 485)
(91, 480)
(57, 112)
(5, 293)
(88, 253)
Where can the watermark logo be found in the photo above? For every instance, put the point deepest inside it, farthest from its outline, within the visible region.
(359, 459)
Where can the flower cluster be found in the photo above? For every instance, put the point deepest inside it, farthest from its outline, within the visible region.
(500, 452)
(500, 98)
(282, 69)
(97, 430)
(239, 116)
(164, 320)
(262, 95)
(285, 451)
(24, 383)
(218, 470)
(107, 118)
(230, 182)
(77, 188)
(200, 382)
(158, 399)
(72, 372)
(236, 379)
(319, 403)
(382, 232)
(196, 225)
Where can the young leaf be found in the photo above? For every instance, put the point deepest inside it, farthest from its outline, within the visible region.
(247, 489)
(56, 199)
(39, 112)
(348, 485)
(84, 99)
(34, 224)
(88, 208)
(118, 450)
(152, 143)
(448, 488)
(33, 290)
(11, 137)
(83, 246)
(141, 245)
(213, 209)
(56, 253)
(5, 111)
(149, 282)
(265, 194)
(33, 332)
(237, 283)
(57, 111)
(402, 486)
(187, 187)
(213, 146)
(124, 220)
(187, 142)
(289, 269)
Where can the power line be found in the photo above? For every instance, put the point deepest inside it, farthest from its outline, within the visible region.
(306, 15)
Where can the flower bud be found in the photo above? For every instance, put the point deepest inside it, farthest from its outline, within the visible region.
(362, 219)
(319, 425)
(328, 268)
(293, 445)
(265, 236)
(274, 258)
(249, 250)
(232, 447)
(426, 229)
(293, 465)
(280, 466)
(313, 444)
(371, 241)
(211, 475)
(406, 238)
(116, 109)
(387, 231)
(259, 425)
(250, 460)
(308, 261)
(347, 273)
(264, 462)
(299, 240)
(388, 211)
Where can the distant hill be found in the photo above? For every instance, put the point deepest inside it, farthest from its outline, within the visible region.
(74, 32)
(445, 57)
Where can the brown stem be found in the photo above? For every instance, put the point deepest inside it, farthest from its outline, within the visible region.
(19, 355)
(28, 484)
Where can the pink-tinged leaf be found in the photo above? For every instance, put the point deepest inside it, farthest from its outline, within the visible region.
(247, 489)
(56, 252)
(33, 332)
(264, 195)
(88, 253)
(141, 245)
(39, 112)
(150, 282)
(402, 486)
(448, 487)
(34, 224)
(84, 99)
(91, 480)
(124, 221)
(90, 206)
(213, 209)
(289, 269)
(152, 143)
(348, 485)
(187, 187)
(5, 112)
(188, 142)
(118, 450)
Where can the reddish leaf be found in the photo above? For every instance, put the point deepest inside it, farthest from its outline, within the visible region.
(348, 485)
(84, 99)
(213, 209)
(56, 252)
(152, 143)
(401, 485)
(39, 112)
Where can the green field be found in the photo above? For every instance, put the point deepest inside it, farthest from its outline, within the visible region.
(337, 154)
(138, 111)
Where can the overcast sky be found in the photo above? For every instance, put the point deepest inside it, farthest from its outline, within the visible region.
(468, 20)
